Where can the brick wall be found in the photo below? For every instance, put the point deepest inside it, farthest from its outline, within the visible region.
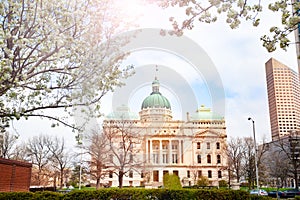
(14, 175)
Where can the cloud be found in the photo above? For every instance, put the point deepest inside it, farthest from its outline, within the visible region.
(238, 56)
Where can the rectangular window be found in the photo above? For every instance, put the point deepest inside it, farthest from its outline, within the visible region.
(199, 173)
(208, 158)
(188, 173)
(174, 146)
(155, 175)
(155, 158)
(111, 174)
(198, 145)
(174, 158)
(208, 145)
(176, 172)
(165, 158)
(218, 145)
(131, 158)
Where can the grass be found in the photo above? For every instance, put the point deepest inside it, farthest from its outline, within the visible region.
(85, 188)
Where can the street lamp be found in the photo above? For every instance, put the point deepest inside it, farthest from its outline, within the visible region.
(79, 142)
(255, 152)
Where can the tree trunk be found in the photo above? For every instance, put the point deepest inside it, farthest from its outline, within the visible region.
(296, 179)
(39, 178)
(229, 178)
(61, 178)
(98, 183)
(54, 180)
(121, 174)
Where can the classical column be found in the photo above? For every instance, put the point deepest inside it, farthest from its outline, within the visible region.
(151, 152)
(179, 151)
(160, 152)
(170, 151)
(147, 151)
(182, 148)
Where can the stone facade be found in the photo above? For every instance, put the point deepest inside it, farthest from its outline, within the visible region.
(189, 149)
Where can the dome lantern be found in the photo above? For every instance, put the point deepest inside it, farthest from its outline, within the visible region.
(156, 99)
(155, 86)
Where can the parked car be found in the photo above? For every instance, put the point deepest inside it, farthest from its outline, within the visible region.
(274, 194)
(259, 192)
(284, 194)
(290, 193)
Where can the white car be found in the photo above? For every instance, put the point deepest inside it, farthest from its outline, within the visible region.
(259, 192)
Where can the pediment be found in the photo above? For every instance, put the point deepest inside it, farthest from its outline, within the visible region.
(209, 133)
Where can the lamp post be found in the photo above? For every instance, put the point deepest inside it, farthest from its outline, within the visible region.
(255, 152)
(79, 142)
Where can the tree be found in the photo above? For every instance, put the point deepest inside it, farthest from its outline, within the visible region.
(277, 166)
(195, 173)
(123, 139)
(235, 11)
(203, 181)
(235, 153)
(74, 179)
(98, 150)
(262, 152)
(249, 161)
(171, 181)
(7, 145)
(20, 152)
(290, 148)
(39, 153)
(223, 183)
(59, 157)
(58, 55)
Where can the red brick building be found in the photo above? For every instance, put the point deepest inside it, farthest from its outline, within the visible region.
(14, 175)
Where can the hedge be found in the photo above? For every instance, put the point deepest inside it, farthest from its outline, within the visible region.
(136, 194)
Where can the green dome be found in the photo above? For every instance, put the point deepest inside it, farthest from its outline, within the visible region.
(122, 113)
(204, 113)
(156, 100)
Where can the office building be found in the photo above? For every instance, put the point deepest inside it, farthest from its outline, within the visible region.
(284, 98)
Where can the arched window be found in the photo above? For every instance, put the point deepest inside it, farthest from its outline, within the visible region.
(218, 159)
(209, 175)
(218, 145)
(208, 158)
(130, 174)
(219, 174)
(199, 158)
(198, 145)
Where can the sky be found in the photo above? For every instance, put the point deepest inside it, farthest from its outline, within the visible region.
(236, 58)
